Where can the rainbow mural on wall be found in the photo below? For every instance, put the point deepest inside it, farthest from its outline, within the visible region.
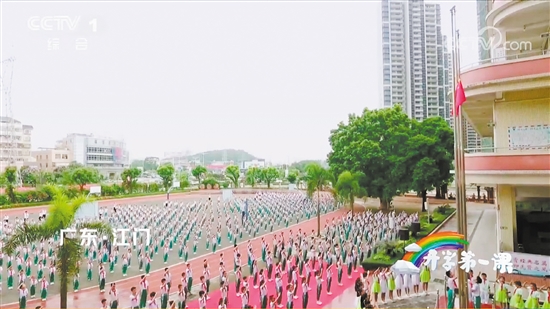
(436, 241)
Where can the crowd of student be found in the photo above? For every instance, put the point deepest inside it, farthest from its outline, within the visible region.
(504, 294)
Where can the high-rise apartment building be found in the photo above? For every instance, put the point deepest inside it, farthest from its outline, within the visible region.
(415, 58)
(482, 10)
(15, 142)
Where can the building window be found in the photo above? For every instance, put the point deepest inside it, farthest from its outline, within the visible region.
(46, 165)
(64, 156)
(58, 156)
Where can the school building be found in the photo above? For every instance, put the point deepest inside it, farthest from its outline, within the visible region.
(508, 104)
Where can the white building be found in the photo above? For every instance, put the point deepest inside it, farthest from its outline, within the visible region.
(15, 143)
(254, 163)
(50, 159)
(109, 156)
(415, 60)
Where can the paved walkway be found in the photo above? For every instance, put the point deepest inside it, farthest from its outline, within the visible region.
(482, 236)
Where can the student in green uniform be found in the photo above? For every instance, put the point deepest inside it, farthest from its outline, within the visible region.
(76, 282)
(33, 283)
(44, 289)
(425, 277)
(23, 295)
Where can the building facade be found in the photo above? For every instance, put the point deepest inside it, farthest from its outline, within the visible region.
(482, 11)
(109, 156)
(415, 59)
(15, 143)
(508, 104)
(259, 163)
(50, 159)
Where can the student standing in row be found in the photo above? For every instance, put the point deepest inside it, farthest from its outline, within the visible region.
(113, 294)
(134, 298)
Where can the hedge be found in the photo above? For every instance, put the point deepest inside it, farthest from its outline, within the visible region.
(43, 195)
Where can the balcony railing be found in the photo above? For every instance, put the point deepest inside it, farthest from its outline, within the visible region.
(503, 59)
(507, 150)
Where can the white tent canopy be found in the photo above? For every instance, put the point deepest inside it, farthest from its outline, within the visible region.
(413, 248)
(405, 268)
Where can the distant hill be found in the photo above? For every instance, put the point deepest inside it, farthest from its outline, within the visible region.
(235, 155)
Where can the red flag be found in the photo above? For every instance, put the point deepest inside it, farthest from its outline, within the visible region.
(460, 97)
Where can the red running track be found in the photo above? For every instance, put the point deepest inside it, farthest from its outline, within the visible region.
(91, 298)
(235, 301)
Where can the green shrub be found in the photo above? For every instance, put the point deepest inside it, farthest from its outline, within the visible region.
(381, 257)
(210, 181)
(444, 209)
(184, 183)
(391, 249)
(374, 265)
(154, 187)
(225, 185)
(4, 200)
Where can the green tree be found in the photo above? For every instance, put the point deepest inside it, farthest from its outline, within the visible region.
(184, 180)
(166, 172)
(138, 163)
(11, 178)
(252, 176)
(45, 177)
(301, 166)
(61, 216)
(268, 175)
(233, 173)
(129, 178)
(29, 176)
(199, 172)
(375, 144)
(150, 165)
(292, 177)
(317, 178)
(430, 155)
(347, 186)
(82, 176)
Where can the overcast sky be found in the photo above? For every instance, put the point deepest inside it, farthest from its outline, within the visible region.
(270, 77)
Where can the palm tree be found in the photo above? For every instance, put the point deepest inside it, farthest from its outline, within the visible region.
(61, 216)
(317, 178)
(348, 187)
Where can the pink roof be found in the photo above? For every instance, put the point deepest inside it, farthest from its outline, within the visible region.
(216, 167)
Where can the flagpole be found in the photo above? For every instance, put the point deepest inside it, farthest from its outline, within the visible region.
(460, 181)
(461, 147)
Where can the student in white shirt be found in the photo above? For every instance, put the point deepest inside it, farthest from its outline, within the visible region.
(451, 288)
(476, 292)
(172, 304)
(113, 294)
(104, 304)
(134, 298)
(484, 289)
(182, 297)
(152, 303)
(202, 300)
